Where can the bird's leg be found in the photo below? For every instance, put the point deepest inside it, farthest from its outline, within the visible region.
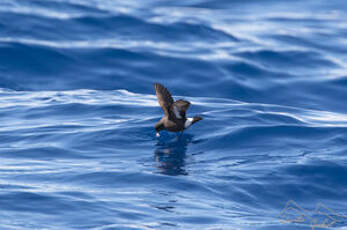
(180, 134)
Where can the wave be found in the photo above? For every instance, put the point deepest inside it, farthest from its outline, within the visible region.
(78, 109)
(212, 107)
(44, 123)
(242, 74)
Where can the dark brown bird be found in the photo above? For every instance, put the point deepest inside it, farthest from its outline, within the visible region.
(174, 119)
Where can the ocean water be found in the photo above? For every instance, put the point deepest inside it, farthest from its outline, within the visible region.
(77, 109)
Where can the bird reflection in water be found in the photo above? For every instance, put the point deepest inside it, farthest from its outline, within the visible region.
(170, 155)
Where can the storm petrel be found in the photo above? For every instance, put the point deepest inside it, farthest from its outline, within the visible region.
(174, 119)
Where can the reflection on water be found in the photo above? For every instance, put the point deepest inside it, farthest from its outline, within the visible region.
(170, 155)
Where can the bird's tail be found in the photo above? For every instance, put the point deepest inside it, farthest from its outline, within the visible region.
(196, 119)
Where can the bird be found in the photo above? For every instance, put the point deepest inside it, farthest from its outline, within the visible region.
(174, 119)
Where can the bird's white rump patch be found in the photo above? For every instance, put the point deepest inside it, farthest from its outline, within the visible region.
(188, 122)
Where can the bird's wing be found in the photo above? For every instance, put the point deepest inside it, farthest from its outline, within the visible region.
(179, 108)
(164, 98)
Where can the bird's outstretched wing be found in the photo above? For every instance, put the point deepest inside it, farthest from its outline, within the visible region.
(179, 108)
(164, 98)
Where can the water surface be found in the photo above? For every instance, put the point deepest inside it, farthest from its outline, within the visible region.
(78, 149)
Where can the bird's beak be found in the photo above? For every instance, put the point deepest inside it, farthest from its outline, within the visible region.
(157, 135)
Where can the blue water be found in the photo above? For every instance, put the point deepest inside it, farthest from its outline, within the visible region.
(77, 109)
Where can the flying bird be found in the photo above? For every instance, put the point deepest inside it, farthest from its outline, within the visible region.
(174, 119)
